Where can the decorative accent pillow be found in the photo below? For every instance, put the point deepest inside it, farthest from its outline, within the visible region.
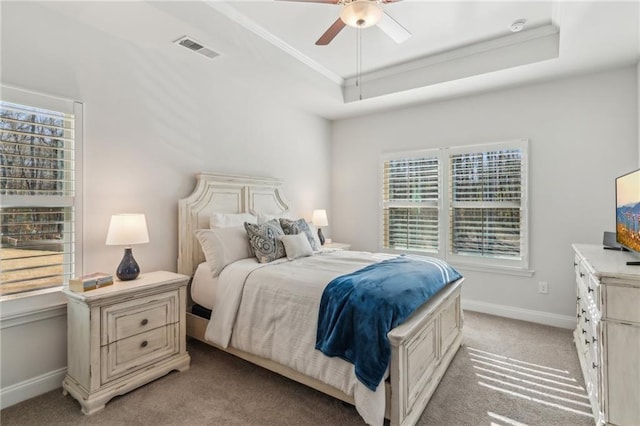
(292, 227)
(314, 232)
(265, 240)
(226, 220)
(222, 246)
(264, 218)
(297, 245)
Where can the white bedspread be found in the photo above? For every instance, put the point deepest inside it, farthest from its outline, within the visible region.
(271, 310)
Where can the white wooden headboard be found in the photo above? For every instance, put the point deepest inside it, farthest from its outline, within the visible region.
(219, 193)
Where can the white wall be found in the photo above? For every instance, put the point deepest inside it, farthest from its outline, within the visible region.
(153, 118)
(583, 133)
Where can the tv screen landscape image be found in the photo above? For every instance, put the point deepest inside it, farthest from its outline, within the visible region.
(628, 210)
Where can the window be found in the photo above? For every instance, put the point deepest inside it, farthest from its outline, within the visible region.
(410, 203)
(466, 204)
(39, 147)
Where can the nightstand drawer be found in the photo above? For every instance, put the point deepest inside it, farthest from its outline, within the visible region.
(137, 316)
(130, 354)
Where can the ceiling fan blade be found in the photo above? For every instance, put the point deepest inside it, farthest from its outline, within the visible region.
(393, 29)
(330, 33)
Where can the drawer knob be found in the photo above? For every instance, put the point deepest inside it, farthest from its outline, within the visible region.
(590, 290)
(581, 274)
(586, 319)
(584, 331)
(144, 322)
(144, 344)
(578, 298)
(586, 341)
(593, 339)
(593, 365)
(583, 311)
(575, 263)
(579, 316)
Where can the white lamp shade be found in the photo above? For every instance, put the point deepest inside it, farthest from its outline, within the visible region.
(361, 13)
(127, 229)
(319, 218)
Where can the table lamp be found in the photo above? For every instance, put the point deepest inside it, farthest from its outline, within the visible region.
(125, 230)
(319, 218)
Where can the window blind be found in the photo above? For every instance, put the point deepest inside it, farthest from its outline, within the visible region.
(483, 224)
(486, 198)
(410, 197)
(38, 189)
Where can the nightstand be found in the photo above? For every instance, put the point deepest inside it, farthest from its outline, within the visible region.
(336, 246)
(122, 336)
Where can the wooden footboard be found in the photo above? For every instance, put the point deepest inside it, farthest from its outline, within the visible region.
(421, 350)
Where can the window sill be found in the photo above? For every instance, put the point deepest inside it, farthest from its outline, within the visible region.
(31, 306)
(468, 266)
(493, 269)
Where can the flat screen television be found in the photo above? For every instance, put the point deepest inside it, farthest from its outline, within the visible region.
(628, 210)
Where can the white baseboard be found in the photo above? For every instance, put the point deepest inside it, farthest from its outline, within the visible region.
(30, 388)
(539, 317)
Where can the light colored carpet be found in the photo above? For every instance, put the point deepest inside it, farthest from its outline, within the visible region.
(507, 373)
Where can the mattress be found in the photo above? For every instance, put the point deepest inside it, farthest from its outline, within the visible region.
(204, 287)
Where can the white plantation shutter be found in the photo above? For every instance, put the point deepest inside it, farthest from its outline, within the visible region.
(486, 190)
(410, 199)
(487, 203)
(38, 169)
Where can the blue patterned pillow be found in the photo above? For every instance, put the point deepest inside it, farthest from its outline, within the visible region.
(265, 240)
(292, 227)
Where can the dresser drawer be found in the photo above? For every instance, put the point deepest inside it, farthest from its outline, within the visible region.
(593, 293)
(622, 304)
(135, 352)
(576, 264)
(587, 280)
(137, 316)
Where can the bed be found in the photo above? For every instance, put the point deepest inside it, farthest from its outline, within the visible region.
(421, 348)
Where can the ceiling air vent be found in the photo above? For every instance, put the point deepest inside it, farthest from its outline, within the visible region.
(191, 44)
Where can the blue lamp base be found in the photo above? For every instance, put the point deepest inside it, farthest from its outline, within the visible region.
(128, 269)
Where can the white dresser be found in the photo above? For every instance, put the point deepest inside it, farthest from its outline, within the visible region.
(124, 335)
(607, 335)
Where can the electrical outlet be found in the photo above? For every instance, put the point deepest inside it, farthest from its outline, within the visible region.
(543, 287)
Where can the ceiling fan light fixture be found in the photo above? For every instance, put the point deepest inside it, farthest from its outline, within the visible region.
(361, 13)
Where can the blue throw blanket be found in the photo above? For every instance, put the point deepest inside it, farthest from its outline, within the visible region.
(357, 310)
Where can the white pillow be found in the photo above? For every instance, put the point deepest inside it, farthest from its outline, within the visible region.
(222, 246)
(297, 245)
(264, 218)
(314, 232)
(227, 220)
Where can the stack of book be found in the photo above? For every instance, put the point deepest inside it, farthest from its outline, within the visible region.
(90, 282)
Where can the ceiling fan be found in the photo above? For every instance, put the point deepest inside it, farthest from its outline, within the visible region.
(362, 14)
